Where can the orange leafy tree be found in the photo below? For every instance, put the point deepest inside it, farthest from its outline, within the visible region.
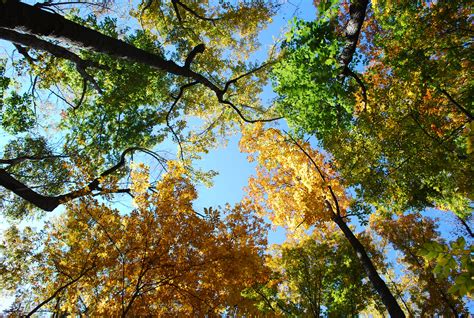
(297, 190)
(162, 258)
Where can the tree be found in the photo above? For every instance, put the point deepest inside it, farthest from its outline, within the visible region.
(160, 258)
(398, 131)
(102, 116)
(82, 97)
(454, 262)
(316, 275)
(429, 293)
(297, 190)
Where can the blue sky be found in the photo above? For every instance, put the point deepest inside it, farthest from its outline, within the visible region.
(232, 166)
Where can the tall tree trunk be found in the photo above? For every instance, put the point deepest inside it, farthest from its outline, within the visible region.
(352, 29)
(378, 283)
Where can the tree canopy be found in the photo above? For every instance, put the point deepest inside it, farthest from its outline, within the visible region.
(369, 135)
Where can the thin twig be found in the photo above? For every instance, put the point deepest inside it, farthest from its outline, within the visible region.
(194, 13)
(333, 195)
(168, 114)
(361, 84)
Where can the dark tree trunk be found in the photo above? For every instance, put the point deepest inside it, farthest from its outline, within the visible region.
(378, 283)
(351, 32)
(43, 202)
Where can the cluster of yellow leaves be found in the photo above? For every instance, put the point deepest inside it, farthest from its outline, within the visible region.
(161, 258)
(140, 183)
(288, 187)
(223, 26)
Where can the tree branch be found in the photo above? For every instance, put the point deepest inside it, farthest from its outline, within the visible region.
(24, 51)
(58, 51)
(361, 84)
(195, 51)
(168, 114)
(48, 203)
(83, 95)
(466, 226)
(59, 290)
(323, 177)
(241, 115)
(33, 21)
(188, 9)
(234, 80)
(461, 108)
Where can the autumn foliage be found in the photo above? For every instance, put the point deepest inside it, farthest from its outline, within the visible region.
(161, 257)
(369, 135)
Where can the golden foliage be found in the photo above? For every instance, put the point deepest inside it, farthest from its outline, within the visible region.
(292, 190)
(162, 258)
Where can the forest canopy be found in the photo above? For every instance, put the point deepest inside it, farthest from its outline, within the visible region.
(358, 123)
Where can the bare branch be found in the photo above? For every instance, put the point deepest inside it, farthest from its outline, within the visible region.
(461, 108)
(194, 13)
(168, 114)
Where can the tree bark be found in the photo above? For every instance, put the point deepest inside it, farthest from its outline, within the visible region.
(378, 283)
(351, 32)
(41, 201)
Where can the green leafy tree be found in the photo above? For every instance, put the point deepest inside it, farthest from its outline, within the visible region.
(452, 261)
(429, 281)
(99, 92)
(402, 139)
(316, 276)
